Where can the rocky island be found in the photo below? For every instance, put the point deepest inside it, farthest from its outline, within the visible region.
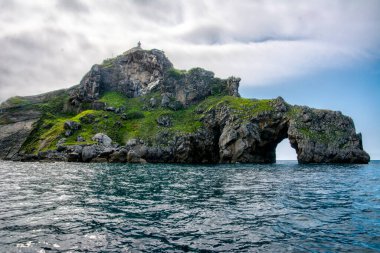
(138, 108)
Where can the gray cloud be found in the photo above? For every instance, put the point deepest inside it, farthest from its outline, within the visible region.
(43, 48)
(72, 5)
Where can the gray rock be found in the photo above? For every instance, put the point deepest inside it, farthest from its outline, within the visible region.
(73, 157)
(12, 136)
(165, 100)
(80, 139)
(164, 120)
(110, 109)
(227, 134)
(102, 139)
(119, 156)
(71, 125)
(87, 119)
(153, 102)
(89, 152)
(134, 157)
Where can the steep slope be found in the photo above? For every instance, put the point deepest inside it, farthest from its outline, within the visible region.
(137, 108)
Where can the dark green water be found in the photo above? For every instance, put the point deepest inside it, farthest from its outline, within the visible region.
(286, 207)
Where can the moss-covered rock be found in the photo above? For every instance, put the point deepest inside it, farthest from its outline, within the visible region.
(147, 111)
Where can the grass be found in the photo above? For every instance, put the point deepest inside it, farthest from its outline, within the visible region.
(114, 99)
(184, 121)
(108, 63)
(176, 73)
(243, 108)
(141, 120)
(18, 101)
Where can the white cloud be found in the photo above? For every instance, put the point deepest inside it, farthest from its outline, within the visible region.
(45, 45)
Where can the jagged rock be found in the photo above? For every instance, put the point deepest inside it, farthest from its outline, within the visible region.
(134, 157)
(71, 125)
(87, 119)
(153, 102)
(99, 160)
(111, 109)
(12, 136)
(230, 130)
(102, 139)
(89, 152)
(73, 157)
(119, 156)
(233, 86)
(165, 100)
(134, 73)
(80, 139)
(106, 152)
(321, 136)
(97, 105)
(164, 121)
(74, 148)
(175, 105)
(52, 155)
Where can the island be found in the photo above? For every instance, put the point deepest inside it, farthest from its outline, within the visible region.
(138, 108)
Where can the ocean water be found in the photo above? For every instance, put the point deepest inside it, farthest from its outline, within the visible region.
(284, 207)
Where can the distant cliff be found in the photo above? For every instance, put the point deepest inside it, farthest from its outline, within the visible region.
(137, 108)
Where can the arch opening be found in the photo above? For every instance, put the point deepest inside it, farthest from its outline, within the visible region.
(284, 151)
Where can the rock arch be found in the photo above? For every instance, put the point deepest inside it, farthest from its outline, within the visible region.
(318, 136)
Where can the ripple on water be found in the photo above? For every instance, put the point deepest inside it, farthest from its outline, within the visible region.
(60, 207)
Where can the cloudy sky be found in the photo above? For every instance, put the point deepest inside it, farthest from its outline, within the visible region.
(324, 54)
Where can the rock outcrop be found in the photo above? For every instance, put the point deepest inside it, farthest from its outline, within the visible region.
(138, 72)
(138, 108)
(134, 73)
(321, 136)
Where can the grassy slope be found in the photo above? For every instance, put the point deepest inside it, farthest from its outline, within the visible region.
(141, 122)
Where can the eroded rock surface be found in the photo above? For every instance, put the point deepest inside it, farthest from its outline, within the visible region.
(221, 128)
(322, 136)
(138, 72)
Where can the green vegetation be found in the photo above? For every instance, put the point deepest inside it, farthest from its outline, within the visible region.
(323, 136)
(114, 99)
(54, 105)
(327, 134)
(44, 134)
(176, 73)
(183, 121)
(243, 108)
(136, 119)
(17, 101)
(107, 63)
(134, 115)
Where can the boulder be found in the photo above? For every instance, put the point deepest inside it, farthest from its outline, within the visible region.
(87, 119)
(80, 139)
(102, 139)
(73, 157)
(164, 120)
(89, 152)
(71, 125)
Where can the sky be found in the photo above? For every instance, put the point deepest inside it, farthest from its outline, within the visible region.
(322, 53)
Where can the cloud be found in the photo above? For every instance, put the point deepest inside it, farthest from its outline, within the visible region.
(72, 6)
(43, 47)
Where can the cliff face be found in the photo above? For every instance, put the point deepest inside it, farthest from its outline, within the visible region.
(138, 108)
(139, 72)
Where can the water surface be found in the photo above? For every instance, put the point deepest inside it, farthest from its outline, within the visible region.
(285, 207)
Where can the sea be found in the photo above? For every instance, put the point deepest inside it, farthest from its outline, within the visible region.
(282, 207)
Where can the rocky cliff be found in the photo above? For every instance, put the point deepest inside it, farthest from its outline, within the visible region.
(137, 108)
